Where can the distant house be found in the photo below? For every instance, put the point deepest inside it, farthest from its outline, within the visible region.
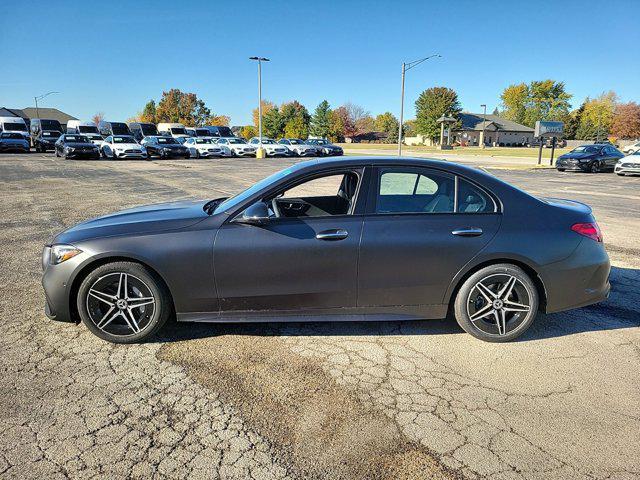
(498, 131)
(28, 113)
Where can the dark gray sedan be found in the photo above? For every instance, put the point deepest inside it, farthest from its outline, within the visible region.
(333, 239)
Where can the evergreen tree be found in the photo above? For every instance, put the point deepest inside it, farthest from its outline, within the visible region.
(321, 120)
(431, 105)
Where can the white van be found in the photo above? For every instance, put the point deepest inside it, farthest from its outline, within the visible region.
(76, 126)
(14, 125)
(176, 130)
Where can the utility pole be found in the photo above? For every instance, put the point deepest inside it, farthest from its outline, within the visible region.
(260, 151)
(40, 97)
(405, 67)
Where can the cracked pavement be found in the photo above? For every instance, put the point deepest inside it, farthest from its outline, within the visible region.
(331, 400)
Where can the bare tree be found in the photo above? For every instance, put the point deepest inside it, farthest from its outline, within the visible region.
(97, 118)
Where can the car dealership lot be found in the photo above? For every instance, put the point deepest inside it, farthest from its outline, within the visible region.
(336, 400)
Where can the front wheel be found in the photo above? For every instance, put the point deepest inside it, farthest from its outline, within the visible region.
(123, 302)
(497, 303)
(595, 167)
(561, 169)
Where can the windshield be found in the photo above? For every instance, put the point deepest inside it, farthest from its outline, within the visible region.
(94, 137)
(584, 149)
(295, 141)
(203, 140)
(167, 141)
(268, 141)
(12, 135)
(237, 141)
(637, 152)
(76, 139)
(319, 141)
(14, 126)
(178, 131)
(148, 129)
(87, 129)
(51, 134)
(256, 187)
(123, 139)
(119, 128)
(202, 132)
(50, 125)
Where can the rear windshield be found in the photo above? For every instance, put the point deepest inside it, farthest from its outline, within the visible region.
(149, 129)
(14, 126)
(178, 131)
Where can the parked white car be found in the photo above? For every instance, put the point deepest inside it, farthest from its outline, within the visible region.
(271, 148)
(202, 147)
(298, 147)
(122, 146)
(238, 147)
(629, 165)
(631, 148)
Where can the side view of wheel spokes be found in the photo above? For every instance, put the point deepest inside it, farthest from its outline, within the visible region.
(497, 300)
(121, 302)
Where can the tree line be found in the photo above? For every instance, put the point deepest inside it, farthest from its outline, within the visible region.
(524, 103)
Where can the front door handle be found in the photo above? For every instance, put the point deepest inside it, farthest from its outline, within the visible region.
(337, 234)
(467, 232)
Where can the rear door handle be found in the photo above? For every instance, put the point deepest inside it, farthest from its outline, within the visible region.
(467, 232)
(337, 234)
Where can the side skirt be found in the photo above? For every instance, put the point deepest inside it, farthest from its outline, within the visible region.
(365, 314)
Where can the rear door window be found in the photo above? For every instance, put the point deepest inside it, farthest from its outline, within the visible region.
(414, 191)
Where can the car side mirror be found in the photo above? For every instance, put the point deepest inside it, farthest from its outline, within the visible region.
(256, 214)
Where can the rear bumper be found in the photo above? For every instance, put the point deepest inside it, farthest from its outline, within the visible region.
(579, 280)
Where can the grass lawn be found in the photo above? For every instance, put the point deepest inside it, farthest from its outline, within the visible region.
(489, 151)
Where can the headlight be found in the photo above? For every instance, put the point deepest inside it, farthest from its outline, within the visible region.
(62, 253)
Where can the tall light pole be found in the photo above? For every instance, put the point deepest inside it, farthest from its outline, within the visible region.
(260, 152)
(40, 97)
(484, 121)
(405, 67)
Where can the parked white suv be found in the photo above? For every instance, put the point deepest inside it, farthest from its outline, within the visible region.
(175, 130)
(202, 147)
(298, 147)
(271, 148)
(237, 147)
(122, 146)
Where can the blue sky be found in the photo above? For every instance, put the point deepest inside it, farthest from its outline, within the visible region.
(113, 56)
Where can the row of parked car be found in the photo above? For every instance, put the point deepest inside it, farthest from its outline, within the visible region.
(601, 157)
(145, 140)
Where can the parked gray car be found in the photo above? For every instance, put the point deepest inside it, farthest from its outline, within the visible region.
(333, 239)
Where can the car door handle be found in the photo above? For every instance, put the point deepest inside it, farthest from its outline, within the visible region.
(467, 232)
(338, 234)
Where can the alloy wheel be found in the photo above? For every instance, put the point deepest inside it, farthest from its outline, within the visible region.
(498, 304)
(595, 167)
(120, 304)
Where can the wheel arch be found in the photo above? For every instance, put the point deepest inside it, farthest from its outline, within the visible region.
(464, 274)
(98, 262)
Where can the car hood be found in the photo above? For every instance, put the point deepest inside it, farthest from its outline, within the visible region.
(144, 219)
(171, 145)
(578, 155)
(76, 144)
(125, 145)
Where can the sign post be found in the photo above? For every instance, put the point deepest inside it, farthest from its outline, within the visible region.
(546, 130)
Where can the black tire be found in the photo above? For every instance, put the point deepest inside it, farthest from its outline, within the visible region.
(142, 283)
(595, 167)
(470, 301)
(561, 169)
(620, 174)
(57, 154)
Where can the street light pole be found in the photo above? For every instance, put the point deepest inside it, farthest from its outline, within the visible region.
(484, 121)
(259, 153)
(40, 98)
(405, 67)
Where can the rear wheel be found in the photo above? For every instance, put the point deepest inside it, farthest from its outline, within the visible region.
(497, 303)
(123, 302)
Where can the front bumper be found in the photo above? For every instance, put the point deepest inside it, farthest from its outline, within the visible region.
(130, 154)
(579, 280)
(274, 153)
(57, 281)
(87, 154)
(208, 154)
(14, 148)
(630, 168)
(573, 167)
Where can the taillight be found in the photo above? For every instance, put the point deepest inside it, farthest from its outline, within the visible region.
(590, 230)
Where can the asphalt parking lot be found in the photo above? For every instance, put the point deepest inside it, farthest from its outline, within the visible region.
(334, 400)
